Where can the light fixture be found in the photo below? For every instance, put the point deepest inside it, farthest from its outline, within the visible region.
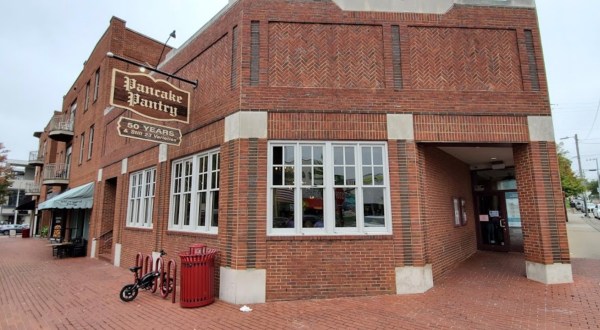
(172, 35)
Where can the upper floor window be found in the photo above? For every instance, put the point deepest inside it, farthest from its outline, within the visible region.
(195, 193)
(68, 161)
(328, 188)
(87, 97)
(96, 84)
(91, 142)
(72, 110)
(141, 198)
(81, 148)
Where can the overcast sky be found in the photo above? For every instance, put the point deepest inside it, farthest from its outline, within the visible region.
(44, 45)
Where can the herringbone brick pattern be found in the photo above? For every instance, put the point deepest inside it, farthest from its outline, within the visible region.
(488, 291)
(322, 55)
(464, 59)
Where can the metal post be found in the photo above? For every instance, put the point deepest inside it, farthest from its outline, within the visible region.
(16, 204)
(585, 210)
(597, 172)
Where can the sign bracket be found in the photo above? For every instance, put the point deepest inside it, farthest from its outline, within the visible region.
(117, 57)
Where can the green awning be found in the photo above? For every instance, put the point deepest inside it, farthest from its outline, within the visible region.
(81, 197)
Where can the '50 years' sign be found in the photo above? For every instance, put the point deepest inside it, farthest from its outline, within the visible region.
(150, 132)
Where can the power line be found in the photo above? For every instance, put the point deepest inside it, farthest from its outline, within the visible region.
(595, 117)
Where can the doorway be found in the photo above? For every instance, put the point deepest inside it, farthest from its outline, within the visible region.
(497, 215)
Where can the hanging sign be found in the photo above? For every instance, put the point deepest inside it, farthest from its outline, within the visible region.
(150, 132)
(152, 98)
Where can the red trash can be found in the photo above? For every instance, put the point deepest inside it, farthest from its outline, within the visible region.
(25, 233)
(197, 281)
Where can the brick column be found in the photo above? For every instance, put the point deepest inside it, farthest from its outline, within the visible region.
(413, 274)
(242, 227)
(542, 213)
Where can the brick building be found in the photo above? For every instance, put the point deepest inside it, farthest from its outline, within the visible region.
(73, 142)
(340, 148)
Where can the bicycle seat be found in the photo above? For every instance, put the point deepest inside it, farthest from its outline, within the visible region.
(135, 269)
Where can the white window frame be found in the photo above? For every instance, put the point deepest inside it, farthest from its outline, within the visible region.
(329, 186)
(86, 105)
(81, 147)
(90, 142)
(96, 84)
(140, 200)
(194, 187)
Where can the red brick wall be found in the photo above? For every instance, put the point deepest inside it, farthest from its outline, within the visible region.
(482, 129)
(540, 203)
(409, 235)
(327, 267)
(445, 177)
(323, 55)
(464, 59)
(327, 126)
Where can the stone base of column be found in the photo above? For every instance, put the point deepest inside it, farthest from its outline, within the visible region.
(243, 286)
(117, 260)
(93, 249)
(549, 274)
(411, 279)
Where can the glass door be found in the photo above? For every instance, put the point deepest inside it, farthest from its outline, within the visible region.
(492, 225)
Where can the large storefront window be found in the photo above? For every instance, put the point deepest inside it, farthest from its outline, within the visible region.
(195, 193)
(328, 188)
(141, 198)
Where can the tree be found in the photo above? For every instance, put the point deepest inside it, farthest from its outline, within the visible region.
(6, 174)
(593, 187)
(571, 184)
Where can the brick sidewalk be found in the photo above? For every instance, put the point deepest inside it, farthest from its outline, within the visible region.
(489, 291)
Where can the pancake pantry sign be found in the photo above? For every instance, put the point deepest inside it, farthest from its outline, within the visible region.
(152, 98)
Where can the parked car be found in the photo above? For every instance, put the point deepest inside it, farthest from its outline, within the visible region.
(590, 206)
(5, 229)
(596, 211)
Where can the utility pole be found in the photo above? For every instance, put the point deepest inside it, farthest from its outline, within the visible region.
(585, 210)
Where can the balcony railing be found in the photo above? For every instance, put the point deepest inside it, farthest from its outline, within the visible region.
(32, 189)
(36, 158)
(61, 128)
(56, 174)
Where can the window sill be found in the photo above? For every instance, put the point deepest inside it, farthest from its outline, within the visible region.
(191, 233)
(362, 237)
(138, 228)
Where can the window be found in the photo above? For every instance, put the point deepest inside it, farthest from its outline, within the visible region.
(65, 173)
(195, 193)
(81, 148)
(73, 110)
(91, 143)
(141, 198)
(96, 84)
(328, 188)
(87, 96)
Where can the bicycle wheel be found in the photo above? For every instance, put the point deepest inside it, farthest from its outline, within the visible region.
(166, 286)
(128, 293)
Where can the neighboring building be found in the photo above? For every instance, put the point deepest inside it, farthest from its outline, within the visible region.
(335, 148)
(71, 145)
(18, 208)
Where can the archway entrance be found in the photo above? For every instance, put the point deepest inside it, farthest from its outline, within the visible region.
(495, 195)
